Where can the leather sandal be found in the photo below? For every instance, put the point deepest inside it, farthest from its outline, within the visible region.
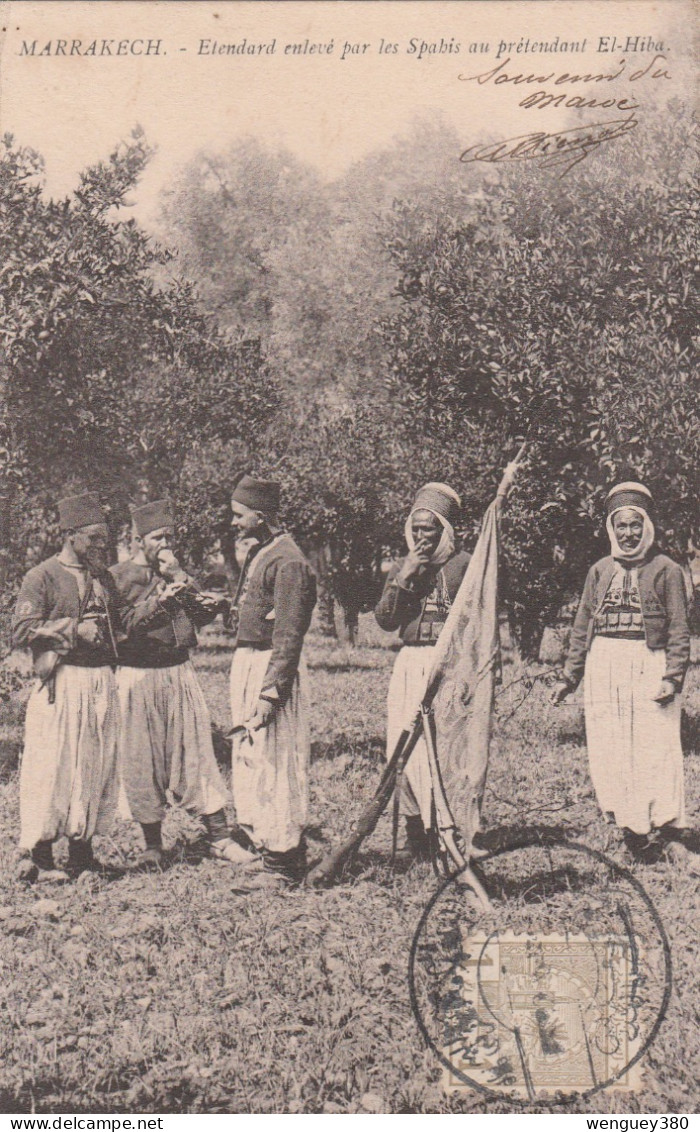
(150, 861)
(234, 854)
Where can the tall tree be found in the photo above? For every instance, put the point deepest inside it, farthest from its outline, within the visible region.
(225, 212)
(106, 376)
(562, 310)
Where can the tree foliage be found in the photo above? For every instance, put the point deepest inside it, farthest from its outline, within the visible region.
(561, 311)
(303, 263)
(108, 377)
(414, 320)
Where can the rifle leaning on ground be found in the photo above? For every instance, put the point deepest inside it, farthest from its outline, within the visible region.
(422, 725)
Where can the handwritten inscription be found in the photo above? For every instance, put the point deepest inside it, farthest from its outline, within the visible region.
(499, 75)
(565, 148)
(546, 96)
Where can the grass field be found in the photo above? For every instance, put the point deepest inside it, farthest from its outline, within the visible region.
(185, 993)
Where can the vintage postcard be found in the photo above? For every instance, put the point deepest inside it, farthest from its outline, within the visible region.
(350, 553)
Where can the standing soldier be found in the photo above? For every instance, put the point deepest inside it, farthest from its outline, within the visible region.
(166, 742)
(417, 597)
(66, 615)
(631, 643)
(272, 612)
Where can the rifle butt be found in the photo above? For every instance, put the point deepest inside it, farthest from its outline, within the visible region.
(330, 866)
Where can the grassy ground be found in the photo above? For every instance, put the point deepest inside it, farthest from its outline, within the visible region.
(183, 992)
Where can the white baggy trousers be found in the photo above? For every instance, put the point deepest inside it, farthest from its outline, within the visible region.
(68, 780)
(270, 775)
(634, 743)
(165, 743)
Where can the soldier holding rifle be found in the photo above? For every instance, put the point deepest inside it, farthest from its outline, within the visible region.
(418, 594)
(443, 705)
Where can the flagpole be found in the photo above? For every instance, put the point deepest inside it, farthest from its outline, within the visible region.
(444, 641)
(326, 870)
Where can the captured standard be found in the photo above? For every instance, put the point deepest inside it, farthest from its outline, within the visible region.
(213, 47)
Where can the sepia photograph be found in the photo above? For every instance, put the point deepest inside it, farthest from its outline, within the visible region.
(350, 561)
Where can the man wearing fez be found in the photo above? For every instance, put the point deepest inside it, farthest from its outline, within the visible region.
(417, 597)
(165, 738)
(66, 615)
(271, 615)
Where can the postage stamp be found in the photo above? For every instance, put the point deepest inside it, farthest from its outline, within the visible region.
(546, 1013)
(556, 991)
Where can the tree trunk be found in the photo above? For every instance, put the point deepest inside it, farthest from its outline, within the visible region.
(325, 606)
(325, 610)
(350, 623)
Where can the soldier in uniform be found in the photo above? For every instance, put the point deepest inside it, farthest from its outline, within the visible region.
(417, 597)
(165, 738)
(272, 612)
(66, 614)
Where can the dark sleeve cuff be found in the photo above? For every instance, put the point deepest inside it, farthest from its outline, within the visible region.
(406, 587)
(271, 695)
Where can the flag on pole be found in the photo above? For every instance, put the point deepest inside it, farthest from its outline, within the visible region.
(460, 685)
(460, 688)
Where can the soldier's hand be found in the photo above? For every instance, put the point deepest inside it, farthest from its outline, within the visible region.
(169, 595)
(261, 717)
(167, 563)
(415, 560)
(211, 601)
(666, 692)
(89, 633)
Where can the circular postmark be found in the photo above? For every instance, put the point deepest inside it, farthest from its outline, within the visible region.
(557, 991)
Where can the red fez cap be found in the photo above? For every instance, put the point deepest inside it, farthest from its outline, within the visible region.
(259, 495)
(152, 516)
(77, 511)
(629, 495)
(440, 498)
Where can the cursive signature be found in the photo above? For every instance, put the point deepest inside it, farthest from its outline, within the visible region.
(564, 149)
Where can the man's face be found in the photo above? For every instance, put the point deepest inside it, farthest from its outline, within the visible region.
(628, 526)
(91, 546)
(245, 521)
(155, 542)
(427, 530)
